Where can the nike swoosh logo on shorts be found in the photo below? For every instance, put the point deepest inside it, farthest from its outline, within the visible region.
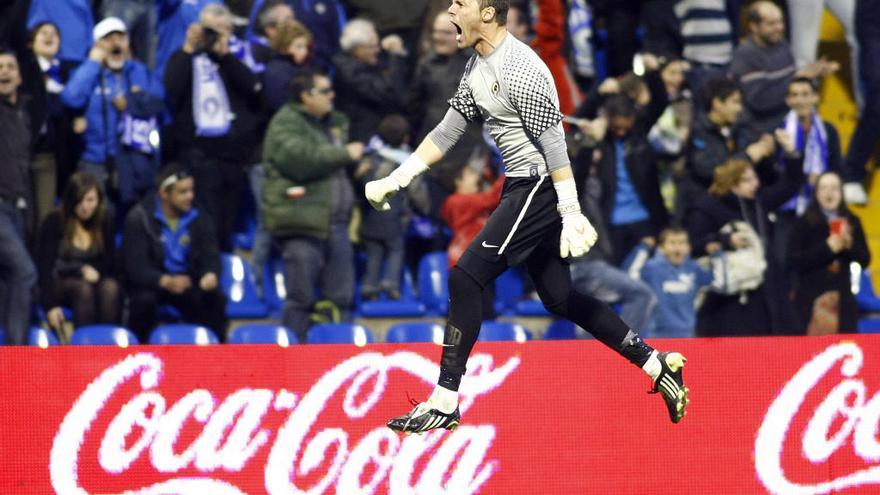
(490, 246)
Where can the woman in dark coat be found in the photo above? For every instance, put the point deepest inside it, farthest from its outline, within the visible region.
(76, 257)
(825, 240)
(736, 195)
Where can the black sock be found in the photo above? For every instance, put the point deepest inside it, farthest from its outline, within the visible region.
(465, 316)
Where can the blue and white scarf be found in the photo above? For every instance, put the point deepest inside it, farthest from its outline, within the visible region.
(211, 112)
(580, 28)
(815, 148)
(242, 50)
(52, 70)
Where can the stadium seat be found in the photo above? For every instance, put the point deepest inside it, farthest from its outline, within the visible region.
(42, 337)
(867, 297)
(237, 280)
(433, 282)
(340, 333)
(103, 335)
(274, 290)
(415, 332)
(502, 330)
(263, 333)
(183, 333)
(407, 306)
(560, 330)
(509, 296)
(869, 325)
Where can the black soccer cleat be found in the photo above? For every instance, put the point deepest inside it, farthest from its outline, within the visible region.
(423, 418)
(670, 384)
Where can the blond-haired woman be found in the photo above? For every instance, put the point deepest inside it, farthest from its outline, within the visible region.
(736, 194)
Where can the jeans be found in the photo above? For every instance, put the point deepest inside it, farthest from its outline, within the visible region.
(389, 251)
(262, 247)
(868, 130)
(17, 276)
(218, 188)
(611, 285)
(311, 263)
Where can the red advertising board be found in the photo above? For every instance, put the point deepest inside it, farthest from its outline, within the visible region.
(785, 416)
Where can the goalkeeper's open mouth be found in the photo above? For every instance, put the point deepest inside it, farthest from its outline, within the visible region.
(457, 30)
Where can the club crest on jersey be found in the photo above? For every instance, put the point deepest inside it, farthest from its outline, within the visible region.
(495, 87)
(533, 171)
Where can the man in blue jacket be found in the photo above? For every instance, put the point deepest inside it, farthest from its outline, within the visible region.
(121, 100)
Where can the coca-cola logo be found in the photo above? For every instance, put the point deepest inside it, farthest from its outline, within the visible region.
(233, 433)
(845, 416)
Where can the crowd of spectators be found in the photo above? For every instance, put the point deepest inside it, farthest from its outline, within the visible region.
(133, 134)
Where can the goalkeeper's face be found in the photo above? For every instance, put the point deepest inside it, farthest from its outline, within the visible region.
(465, 16)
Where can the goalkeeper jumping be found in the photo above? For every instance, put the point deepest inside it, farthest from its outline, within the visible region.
(538, 221)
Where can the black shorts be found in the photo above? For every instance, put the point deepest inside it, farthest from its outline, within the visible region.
(525, 219)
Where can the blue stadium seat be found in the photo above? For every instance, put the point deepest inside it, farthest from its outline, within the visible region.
(183, 333)
(340, 333)
(407, 306)
(415, 332)
(103, 335)
(502, 330)
(274, 290)
(867, 297)
(263, 333)
(869, 325)
(433, 282)
(509, 296)
(560, 330)
(42, 337)
(237, 280)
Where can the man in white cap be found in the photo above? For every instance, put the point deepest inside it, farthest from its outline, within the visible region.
(121, 99)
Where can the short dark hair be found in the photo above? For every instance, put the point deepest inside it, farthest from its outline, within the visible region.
(805, 80)
(5, 50)
(721, 88)
(303, 81)
(172, 170)
(32, 34)
(501, 7)
(394, 130)
(668, 231)
(617, 105)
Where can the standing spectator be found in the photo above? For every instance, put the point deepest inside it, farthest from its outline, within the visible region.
(466, 212)
(74, 19)
(763, 65)
(52, 124)
(77, 257)
(170, 256)
(716, 137)
(868, 130)
(671, 132)
(140, 16)
(174, 18)
(595, 275)
(382, 233)
(325, 19)
(17, 271)
(268, 18)
(736, 195)
(621, 20)
(806, 22)
(216, 99)
(290, 48)
(121, 101)
(367, 89)
(818, 141)
(675, 279)
(631, 202)
(307, 198)
(707, 39)
(405, 20)
(825, 240)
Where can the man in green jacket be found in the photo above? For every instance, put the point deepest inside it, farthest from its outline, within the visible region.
(307, 198)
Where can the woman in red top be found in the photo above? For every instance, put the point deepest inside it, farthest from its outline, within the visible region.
(467, 209)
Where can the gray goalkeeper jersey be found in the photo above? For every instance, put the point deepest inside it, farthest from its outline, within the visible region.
(513, 93)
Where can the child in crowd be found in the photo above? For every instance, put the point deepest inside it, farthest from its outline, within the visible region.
(382, 233)
(675, 278)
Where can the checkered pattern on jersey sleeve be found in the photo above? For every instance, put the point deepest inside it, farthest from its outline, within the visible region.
(531, 93)
(463, 100)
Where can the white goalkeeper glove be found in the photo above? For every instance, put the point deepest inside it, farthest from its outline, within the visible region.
(378, 192)
(578, 234)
